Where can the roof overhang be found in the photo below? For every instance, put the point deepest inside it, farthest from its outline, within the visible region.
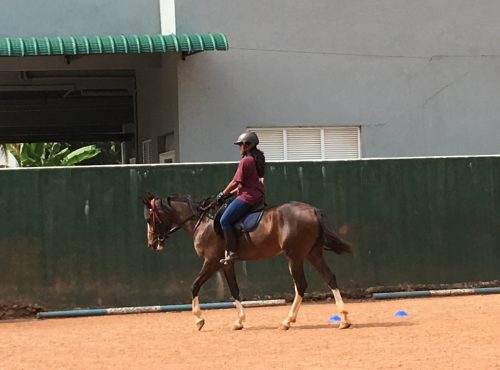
(119, 44)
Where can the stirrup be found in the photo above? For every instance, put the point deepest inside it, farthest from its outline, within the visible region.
(230, 257)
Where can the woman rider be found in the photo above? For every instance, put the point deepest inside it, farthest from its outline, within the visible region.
(248, 183)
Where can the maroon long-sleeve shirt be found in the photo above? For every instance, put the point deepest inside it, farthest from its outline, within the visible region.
(250, 188)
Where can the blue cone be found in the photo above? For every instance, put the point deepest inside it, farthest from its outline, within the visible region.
(334, 318)
(401, 314)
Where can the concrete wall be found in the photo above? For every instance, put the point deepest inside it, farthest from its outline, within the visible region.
(420, 78)
(157, 103)
(27, 18)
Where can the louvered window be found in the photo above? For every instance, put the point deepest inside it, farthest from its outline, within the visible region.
(341, 143)
(309, 143)
(271, 143)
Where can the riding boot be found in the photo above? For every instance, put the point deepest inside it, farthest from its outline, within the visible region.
(231, 246)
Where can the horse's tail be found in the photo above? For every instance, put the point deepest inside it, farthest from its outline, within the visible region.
(330, 240)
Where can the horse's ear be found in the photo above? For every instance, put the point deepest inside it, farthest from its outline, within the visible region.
(148, 198)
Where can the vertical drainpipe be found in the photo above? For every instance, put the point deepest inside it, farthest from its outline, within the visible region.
(167, 17)
(168, 26)
(124, 152)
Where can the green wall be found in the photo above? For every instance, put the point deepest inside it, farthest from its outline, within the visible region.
(75, 237)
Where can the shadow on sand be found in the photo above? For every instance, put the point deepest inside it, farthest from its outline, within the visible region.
(334, 326)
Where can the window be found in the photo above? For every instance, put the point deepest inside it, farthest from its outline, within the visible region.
(308, 143)
(166, 148)
(167, 157)
(166, 142)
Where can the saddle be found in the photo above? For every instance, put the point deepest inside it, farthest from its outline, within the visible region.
(246, 224)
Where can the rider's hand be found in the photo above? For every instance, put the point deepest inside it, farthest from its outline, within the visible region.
(220, 197)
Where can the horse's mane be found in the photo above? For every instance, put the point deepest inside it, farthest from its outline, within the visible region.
(197, 205)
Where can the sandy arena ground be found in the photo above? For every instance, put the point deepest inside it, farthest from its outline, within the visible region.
(438, 333)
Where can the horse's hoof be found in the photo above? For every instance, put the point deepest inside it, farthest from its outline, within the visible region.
(284, 326)
(200, 323)
(237, 326)
(344, 325)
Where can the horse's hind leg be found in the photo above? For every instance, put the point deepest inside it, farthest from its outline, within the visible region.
(235, 292)
(315, 257)
(297, 270)
(208, 269)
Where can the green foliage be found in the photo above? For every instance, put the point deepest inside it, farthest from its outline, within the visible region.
(110, 152)
(51, 154)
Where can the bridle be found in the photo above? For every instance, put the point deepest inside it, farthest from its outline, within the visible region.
(156, 221)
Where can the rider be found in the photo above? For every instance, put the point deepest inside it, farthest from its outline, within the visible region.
(248, 183)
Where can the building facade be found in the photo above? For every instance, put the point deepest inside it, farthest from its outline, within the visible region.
(322, 79)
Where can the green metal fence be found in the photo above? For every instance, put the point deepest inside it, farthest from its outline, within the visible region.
(75, 237)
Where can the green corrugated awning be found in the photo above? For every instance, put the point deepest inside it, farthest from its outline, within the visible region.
(121, 44)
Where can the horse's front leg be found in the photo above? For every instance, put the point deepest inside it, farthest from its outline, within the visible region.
(208, 269)
(235, 292)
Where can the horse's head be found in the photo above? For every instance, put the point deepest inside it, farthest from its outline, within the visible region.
(164, 217)
(158, 222)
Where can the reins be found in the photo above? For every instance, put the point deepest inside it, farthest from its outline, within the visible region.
(204, 211)
(156, 218)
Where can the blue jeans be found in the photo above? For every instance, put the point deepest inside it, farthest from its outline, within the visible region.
(235, 211)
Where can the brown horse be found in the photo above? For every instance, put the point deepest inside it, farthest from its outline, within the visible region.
(295, 229)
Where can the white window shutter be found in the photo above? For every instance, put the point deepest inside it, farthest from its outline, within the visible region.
(303, 143)
(271, 143)
(342, 143)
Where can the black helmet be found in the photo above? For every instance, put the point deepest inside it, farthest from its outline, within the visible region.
(247, 137)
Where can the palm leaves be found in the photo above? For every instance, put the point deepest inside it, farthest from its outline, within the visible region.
(50, 154)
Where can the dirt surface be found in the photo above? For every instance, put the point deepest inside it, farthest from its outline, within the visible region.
(438, 333)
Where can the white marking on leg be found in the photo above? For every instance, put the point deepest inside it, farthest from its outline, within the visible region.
(344, 323)
(241, 310)
(338, 300)
(150, 235)
(241, 315)
(197, 312)
(196, 307)
(292, 315)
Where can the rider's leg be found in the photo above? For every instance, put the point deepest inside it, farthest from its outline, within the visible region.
(234, 212)
(231, 245)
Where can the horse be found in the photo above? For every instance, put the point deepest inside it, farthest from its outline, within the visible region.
(298, 230)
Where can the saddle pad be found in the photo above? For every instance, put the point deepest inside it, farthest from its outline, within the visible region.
(249, 222)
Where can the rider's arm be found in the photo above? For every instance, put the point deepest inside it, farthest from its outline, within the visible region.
(230, 188)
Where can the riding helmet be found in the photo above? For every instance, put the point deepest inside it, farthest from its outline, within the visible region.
(247, 137)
